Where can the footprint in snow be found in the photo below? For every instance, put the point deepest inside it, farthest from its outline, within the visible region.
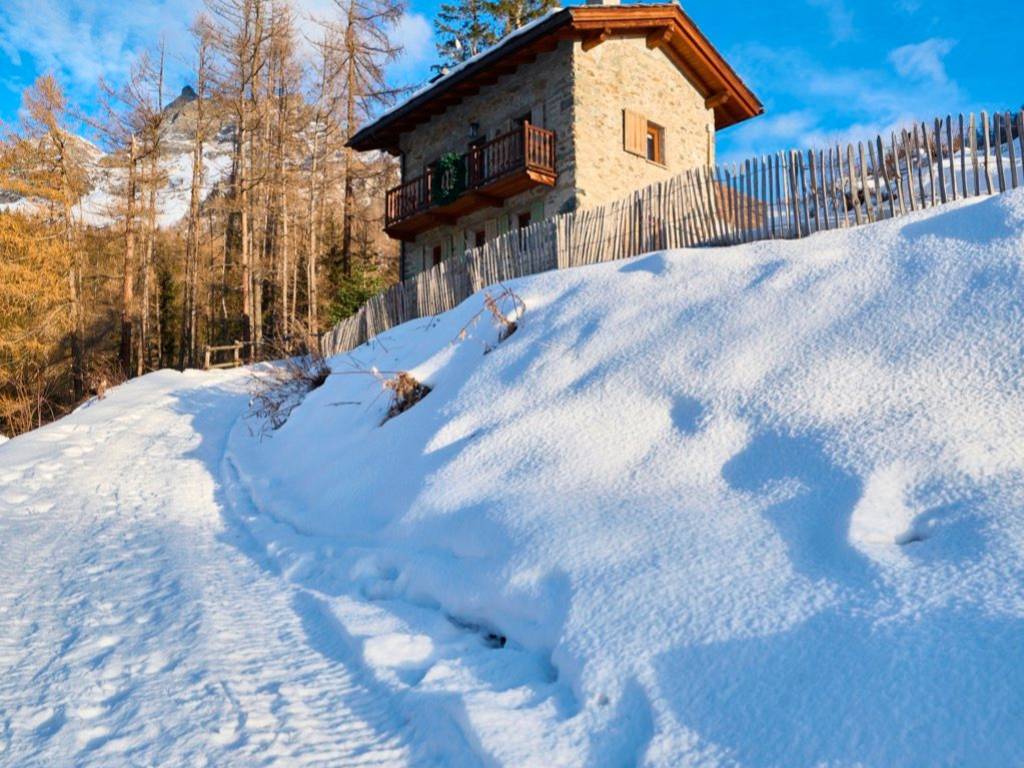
(814, 518)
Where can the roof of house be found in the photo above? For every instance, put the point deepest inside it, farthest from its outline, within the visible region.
(664, 25)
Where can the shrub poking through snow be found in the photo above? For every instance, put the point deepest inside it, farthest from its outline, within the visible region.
(506, 327)
(406, 391)
(505, 308)
(278, 390)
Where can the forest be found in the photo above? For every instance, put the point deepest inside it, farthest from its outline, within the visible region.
(137, 231)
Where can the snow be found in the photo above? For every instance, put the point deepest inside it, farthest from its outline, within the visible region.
(746, 506)
(99, 207)
(22, 205)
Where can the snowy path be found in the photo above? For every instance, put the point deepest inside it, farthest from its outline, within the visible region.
(136, 627)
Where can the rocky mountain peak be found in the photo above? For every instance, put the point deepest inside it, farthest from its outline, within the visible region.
(187, 96)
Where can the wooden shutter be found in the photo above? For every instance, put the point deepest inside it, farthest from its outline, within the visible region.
(634, 132)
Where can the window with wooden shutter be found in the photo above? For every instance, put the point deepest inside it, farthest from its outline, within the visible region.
(634, 132)
(655, 143)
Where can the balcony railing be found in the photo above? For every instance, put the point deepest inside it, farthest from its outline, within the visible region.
(487, 174)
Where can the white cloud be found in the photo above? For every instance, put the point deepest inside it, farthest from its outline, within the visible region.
(416, 36)
(923, 61)
(824, 105)
(840, 19)
(84, 40)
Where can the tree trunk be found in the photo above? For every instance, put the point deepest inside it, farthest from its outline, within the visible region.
(128, 276)
(187, 353)
(311, 237)
(145, 360)
(243, 205)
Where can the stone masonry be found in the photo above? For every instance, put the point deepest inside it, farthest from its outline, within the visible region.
(623, 73)
(581, 96)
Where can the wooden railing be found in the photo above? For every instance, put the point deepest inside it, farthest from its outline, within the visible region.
(540, 149)
(408, 199)
(527, 148)
(211, 357)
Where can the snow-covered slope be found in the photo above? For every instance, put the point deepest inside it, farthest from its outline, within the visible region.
(107, 178)
(100, 206)
(756, 506)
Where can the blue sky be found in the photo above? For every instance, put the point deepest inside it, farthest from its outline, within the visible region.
(825, 69)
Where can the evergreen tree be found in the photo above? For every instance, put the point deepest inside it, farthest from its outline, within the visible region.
(463, 29)
(510, 15)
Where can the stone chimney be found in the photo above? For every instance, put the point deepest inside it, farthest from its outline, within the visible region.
(603, 2)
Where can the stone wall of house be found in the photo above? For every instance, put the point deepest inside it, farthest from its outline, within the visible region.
(623, 73)
(580, 95)
(540, 202)
(543, 89)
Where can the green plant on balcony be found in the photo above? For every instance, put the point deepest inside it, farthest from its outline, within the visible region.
(449, 178)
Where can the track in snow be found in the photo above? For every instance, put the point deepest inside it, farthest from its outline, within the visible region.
(137, 626)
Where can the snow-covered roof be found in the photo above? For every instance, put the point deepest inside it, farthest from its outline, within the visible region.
(683, 41)
(438, 82)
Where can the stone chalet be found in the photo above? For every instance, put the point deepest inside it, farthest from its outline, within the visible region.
(576, 109)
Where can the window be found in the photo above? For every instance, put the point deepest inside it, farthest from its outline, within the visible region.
(642, 137)
(435, 256)
(655, 143)
(479, 238)
(523, 221)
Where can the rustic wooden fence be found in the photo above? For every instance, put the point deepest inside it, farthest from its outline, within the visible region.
(214, 357)
(783, 196)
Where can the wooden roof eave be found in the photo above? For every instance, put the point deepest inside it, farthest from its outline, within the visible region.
(680, 36)
(384, 133)
(683, 42)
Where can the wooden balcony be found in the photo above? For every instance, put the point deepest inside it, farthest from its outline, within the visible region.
(486, 176)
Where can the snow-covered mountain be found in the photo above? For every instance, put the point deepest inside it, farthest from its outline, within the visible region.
(175, 165)
(107, 177)
(748, 506)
